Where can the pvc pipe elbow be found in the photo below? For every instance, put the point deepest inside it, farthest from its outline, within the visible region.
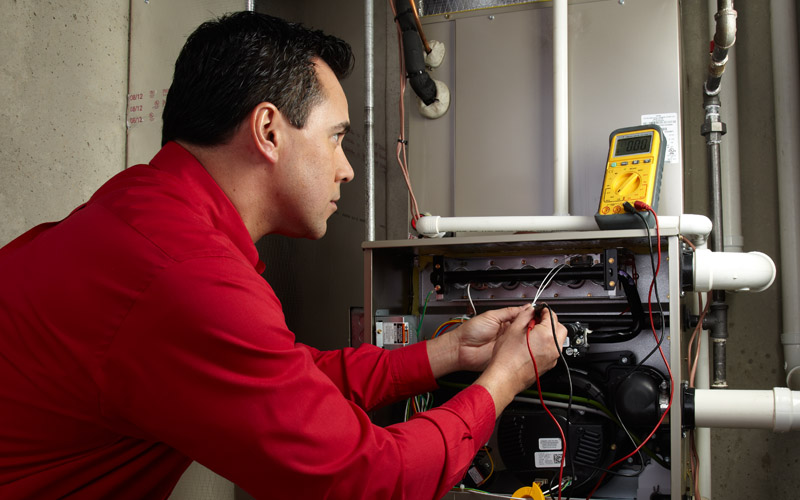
(753, 271)
(695, 225)
(777, 410)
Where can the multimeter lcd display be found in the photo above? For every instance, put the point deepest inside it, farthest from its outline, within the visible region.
(634, 145)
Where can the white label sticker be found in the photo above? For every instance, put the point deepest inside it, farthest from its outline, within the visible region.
(669, 125)
(549, 443)
(547, 459)
(475, 475)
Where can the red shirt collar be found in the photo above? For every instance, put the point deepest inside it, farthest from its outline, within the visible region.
(211, 200)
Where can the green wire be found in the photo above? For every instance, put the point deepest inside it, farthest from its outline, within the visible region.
(424, 309)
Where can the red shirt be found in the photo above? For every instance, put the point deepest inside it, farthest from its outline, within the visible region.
(137, 335)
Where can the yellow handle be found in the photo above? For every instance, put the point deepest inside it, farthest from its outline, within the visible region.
(533, 491)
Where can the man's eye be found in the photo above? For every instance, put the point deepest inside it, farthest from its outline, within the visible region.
(336, 137)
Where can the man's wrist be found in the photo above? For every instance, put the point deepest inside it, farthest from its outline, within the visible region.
(498, 388)
(443, 354)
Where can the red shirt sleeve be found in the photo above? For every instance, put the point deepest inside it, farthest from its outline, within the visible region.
(373, 377)
(204, 363)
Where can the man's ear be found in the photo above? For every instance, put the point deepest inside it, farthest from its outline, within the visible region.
(265, 130)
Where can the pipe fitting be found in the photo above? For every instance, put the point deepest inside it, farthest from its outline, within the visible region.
(777, 410)
(753, 271)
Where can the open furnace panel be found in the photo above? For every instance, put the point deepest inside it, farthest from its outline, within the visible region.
(601, 287)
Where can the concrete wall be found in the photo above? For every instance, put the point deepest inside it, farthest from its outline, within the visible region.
(745, 463)
(63, 86)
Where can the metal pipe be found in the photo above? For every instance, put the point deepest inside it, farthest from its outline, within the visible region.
(560, 108)
(713, 129)
(731, 198)
(419, 28)
(369, 99)
(724, 38)
(786, 80)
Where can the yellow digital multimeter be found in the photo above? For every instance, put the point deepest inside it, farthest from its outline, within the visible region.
(633, 173)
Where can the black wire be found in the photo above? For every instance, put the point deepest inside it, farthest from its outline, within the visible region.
(655, 289)
(661, 327)
(569, 401)
(640, 364)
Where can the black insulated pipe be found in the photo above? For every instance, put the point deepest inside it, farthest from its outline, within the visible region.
(724, 38)
(414, 53)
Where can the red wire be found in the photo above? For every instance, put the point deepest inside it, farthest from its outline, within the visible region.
(541, 399)
(666, 363)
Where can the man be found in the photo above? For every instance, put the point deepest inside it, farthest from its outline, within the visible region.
(137, 334)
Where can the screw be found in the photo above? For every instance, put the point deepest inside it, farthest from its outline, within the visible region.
(612, 283)
(611, 260)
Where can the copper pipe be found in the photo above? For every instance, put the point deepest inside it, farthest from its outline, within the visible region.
(419, 28)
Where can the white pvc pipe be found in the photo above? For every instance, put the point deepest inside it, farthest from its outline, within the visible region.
(434, 225)
(696, 227)
(786, 81)
(777, 410)
(729, 148)
(703, 381)
(560, 108)
(753, 271)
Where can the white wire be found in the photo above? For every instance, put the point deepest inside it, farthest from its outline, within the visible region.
(469, 296)
(545, 283)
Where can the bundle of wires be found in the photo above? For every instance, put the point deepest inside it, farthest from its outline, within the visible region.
(447, 325)
(418, 404)
(545, 283)
(659, 338)
(402, 158)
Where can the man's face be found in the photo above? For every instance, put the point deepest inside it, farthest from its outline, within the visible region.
(315, 165)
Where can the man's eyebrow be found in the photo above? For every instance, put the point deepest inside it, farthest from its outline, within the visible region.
(343, 127)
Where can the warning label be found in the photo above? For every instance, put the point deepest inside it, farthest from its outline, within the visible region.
(549, 443)
(547, 459)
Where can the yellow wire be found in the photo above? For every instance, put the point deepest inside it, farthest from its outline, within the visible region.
(491, 471)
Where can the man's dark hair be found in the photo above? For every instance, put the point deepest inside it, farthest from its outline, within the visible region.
(230, 65)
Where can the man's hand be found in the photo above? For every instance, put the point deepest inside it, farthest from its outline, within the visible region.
(511, 369)
(470, 346)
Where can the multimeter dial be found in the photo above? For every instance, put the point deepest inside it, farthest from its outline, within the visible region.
(633, 173)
